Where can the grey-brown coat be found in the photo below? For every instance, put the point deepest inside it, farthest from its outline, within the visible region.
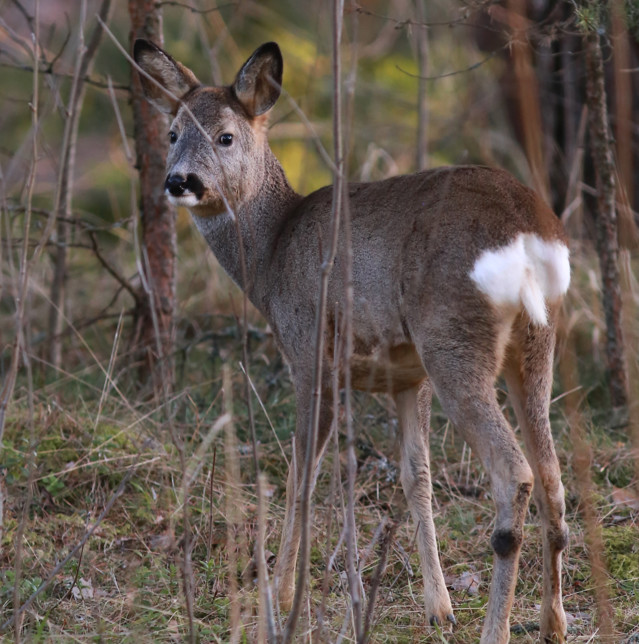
(457, 276)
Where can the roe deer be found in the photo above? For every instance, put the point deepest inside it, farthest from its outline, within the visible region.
(457, 276)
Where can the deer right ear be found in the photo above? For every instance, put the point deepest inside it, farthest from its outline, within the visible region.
(259, 83)
(174, 79)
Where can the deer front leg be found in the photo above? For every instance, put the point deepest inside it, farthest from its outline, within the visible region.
(291, 530)
(413, 410)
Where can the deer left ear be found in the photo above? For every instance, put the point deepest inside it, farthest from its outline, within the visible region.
(259, 82)
(173, 80)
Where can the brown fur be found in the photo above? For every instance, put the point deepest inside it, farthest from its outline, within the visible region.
(420, 324)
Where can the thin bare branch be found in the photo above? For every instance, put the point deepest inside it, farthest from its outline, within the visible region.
(192, 9)
(47, 71)
(470, 68)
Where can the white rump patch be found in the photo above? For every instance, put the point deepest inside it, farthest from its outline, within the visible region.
(528, 271)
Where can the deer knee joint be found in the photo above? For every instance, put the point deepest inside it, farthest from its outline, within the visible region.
(506, 542)
(558, 537)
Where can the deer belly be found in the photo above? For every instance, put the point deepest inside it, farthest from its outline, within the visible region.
(387, 369)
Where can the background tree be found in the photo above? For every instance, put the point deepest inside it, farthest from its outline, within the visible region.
(154, 317)
(561, 41)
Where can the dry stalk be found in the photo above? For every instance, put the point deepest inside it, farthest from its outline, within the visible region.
(188, 578)
(267, 613)
(352, 564)
(320, 327)
(109, 374)
(421, 39)
(233, 504)
(335, 480)
(24, 516)
(266, 415)
(190, 470)
(582, 464)
(209, 538)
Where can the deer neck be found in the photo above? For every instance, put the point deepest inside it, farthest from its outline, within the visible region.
(256, 221)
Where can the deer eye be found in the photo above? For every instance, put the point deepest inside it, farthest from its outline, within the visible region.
(226, 139)
(172, 136)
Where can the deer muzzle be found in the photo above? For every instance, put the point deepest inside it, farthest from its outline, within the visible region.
(177, 185)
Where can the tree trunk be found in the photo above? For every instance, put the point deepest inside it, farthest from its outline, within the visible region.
(64, 192)
(155, 318)
(606, 218)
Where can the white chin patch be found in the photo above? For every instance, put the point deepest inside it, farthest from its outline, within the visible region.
(187, 200)
(528, 271)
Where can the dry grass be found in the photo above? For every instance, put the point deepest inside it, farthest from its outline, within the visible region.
(126, 584)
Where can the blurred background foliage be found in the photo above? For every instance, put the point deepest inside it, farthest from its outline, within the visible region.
(72, 432)
(467, 123)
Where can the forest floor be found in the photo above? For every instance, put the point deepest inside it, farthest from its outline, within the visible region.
(70, 442)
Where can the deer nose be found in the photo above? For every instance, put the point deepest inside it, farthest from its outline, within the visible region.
(175, 184)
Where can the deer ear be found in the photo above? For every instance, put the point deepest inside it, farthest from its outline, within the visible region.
(174, 79)
(259, 82)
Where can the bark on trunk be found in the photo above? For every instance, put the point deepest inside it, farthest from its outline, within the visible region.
(155, 317)
(606, 219)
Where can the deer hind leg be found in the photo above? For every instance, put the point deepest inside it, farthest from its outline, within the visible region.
(528, 373)
(291, 531)
(462, 366)
(413, 410)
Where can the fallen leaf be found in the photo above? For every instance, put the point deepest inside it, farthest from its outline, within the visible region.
(468, 582)
(626, 497)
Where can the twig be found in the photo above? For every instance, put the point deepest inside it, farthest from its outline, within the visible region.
(407, 22)
(50, 72)
(112, 271)
(421, 37)
(386, 542)
(268, 418)
(316, 388)
(108, 378)
(231, 468)
(471, 68)
(350, 529)
(184, 5)
(74, 581)
(209, 540)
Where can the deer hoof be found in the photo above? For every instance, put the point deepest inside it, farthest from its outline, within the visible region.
(436, 621)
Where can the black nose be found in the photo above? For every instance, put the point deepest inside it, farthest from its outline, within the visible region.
(175, 184)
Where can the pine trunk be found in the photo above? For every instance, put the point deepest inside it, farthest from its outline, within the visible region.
(155, 317)
(606, 219)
